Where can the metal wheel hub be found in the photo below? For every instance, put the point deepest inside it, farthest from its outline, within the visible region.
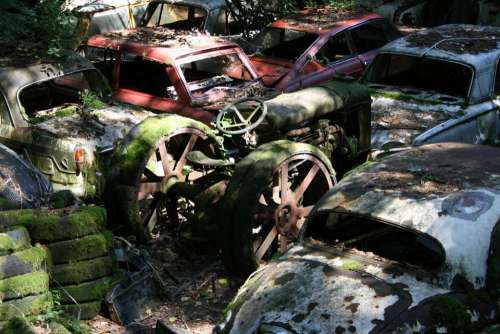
(286, 217)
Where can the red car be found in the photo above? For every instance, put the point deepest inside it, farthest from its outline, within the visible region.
(313, 45)
(189, 74)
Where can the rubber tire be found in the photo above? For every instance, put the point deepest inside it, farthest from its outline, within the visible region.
(128, 162)
(86, 292)
(82, 271)
(14, 240)
(249, 180)
(23, 262)
(85, 248)
(56, 225)
(32, 305)
(86, 310)
(24, 285)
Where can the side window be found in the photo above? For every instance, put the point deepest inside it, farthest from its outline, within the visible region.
(496, 92)
(145, 76)
(103, 59)
(226, 24)
(369, 36)
(335, 49)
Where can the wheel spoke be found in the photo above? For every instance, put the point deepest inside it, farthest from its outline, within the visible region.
(249, 119)
(266, 243)
(299, 192)
(240, 116)
(164, 158)
(182, 160)
(305, 210)
(150, 176)
(284, 183)
(148, 188)
(283, 242)
(146, 218)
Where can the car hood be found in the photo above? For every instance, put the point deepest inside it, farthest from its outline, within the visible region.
(314, 290)
(400, 116)
(96, 129)
(271, 70)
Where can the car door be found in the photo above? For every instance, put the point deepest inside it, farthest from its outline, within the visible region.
(336, 56)
(369, 36)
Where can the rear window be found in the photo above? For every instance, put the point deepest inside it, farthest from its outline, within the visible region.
(283, 43)
(440, 76)
(182, 17)
(371, 236)
(60, 96)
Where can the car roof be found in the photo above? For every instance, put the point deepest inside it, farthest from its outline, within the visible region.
(325, 19)
(90, 6)
(206, 4)
(477, 46)
(450, 191)
(159, 44)
(16, 73)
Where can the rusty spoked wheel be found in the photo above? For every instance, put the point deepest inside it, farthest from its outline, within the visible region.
(157, 200)
(271, 194)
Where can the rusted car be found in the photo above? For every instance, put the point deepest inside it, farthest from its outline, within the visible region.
(143, 165)
(440, 84)
(210, 16)
(407, 244)
(313, 45)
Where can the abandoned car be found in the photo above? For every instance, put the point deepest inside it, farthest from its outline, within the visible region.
(407, 244)
(313, 45)
(145, 165)
(440, 84)
(205, 16)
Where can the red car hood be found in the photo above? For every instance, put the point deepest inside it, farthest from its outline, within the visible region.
(271, 70)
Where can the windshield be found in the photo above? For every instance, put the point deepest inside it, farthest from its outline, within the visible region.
(440, 76)
(61, 95)
(223, 70)
(174, 16)
(283, 43)
(375, 237)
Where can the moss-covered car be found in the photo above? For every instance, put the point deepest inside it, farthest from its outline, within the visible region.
(407, 244)
(440, 84)
(254, 175)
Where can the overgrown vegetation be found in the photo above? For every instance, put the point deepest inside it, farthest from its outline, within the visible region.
(37, 28)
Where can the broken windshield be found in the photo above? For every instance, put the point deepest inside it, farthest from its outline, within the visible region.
(429, 74)
(283, 43)
(174, 16)
(61, 95)
(372, 236)
(219, 71)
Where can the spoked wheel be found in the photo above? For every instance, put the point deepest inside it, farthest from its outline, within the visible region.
(167, 166)
(271, 194)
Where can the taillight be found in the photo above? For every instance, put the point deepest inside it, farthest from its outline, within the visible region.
(79, 159)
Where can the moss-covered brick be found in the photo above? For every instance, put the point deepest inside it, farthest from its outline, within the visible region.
(24, 285)
(16, 325)
(56, 225)
(8, 312)
(32, 305)
(57, 328)
(5, 204)
(82, 271)
(23, 262)
(86, 292)
(88, 247)
(14, 240)
(84, 310)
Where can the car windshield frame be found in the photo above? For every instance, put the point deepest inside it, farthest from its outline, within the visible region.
(467, 97)
(23, 113)
(148, 14)
(270, 28)
(206, 55)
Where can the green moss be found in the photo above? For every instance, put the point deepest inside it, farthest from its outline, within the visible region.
(54, 225)
(31, 305)
(14, 240)
(450, 313)
(24, 285)
(88, 291)
(84, 310)
(405, 97)
(88, 247)
(82, 271)
(352, 265)
(57, 328)
(16, 325)
(31, 259)
(6, 204)
(8, 312)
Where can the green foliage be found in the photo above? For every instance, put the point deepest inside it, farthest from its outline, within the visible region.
(90, 100)
(43, 29)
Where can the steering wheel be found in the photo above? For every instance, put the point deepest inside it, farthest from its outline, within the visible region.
(239, 124)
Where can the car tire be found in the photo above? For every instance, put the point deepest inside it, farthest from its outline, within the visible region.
(251, 178)
(84, 248)
(82, 271)
(56, 225)
(23, 262)
(13, 240)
